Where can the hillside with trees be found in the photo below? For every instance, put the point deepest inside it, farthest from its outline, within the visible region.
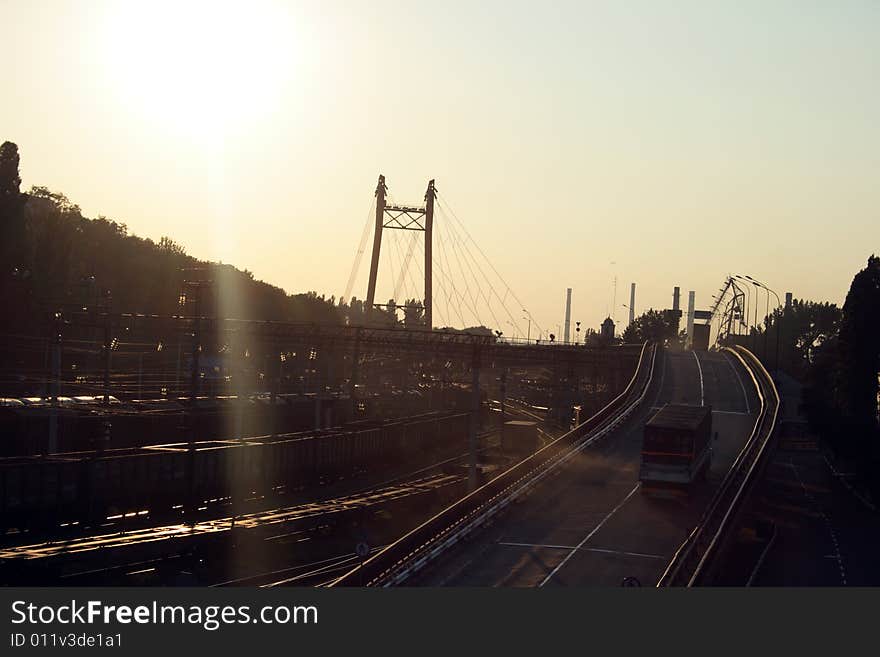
(53, 257)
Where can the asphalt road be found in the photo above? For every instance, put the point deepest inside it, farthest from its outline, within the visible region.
(826, 530)
(590, 524)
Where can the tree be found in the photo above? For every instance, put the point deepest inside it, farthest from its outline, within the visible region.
(10, 180)
(841, 392)
(860, 352)
(14, 273)
(651, 325)
(11, 206)
(170, 246)
(803, 328)
(413, 314)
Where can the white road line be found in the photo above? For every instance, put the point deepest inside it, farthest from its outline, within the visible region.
(589, 536)
(627, 554)
(584, 549)
(700, 368)
(731, 412)
(741, 386)
(538, 545)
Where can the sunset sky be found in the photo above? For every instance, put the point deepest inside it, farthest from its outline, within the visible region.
(666, 143)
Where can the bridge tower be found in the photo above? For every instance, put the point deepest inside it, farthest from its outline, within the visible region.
(401, 217)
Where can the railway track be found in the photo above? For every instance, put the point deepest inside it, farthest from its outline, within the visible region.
(405, 557)
(309, 514)
(143, 548)
(695, 562)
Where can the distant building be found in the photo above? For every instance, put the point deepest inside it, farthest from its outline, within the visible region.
(607, 330)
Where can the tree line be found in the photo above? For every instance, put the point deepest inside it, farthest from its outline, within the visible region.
(53, 257)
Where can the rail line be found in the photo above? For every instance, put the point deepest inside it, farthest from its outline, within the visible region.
(308, 513)
(695, 560)
(409, 554)
(306, 516)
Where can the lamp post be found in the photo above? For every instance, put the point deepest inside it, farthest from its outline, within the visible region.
(529, 333)
(778, 328)
(749, 303)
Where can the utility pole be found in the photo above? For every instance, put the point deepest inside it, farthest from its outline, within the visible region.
(196, 346)
(57, 324)
(355, 371)
(108, 346)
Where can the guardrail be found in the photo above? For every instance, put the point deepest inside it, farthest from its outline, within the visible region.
(695, 559)
(403, 558)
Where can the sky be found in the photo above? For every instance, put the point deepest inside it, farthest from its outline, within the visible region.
(579, 142)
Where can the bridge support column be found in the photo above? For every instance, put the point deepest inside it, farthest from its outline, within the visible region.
(355, 370)
(377, 245)
(475, 420)
(429, 233)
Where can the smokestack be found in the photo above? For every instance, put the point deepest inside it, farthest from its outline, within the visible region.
(690, 318)
(632, 302)
(788, 300)
(567, 315)
(676, 293)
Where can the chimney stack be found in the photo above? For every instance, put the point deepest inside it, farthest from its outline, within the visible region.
(567, 316)
(690, 318)
(632, 303)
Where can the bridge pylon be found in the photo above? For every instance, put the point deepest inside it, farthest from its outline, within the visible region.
(401, 217)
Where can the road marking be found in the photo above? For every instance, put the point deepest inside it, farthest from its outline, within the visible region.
(590, 535)
(700, 368)
(585, 549)
(741, 386)
(731, 412)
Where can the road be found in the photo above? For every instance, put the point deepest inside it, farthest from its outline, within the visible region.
(590, 525)
(826, 529)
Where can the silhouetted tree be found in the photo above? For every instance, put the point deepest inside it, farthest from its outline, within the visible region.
(650, 325)
(14, 275)
(413, 314)
(860, 352)
(803, 328)
(841, 392)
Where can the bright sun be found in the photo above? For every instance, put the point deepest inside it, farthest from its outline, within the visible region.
(202, 70)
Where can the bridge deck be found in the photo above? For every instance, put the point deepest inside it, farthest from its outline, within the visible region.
(590, 525)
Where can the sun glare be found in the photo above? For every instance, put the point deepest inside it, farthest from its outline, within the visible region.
(202, 70)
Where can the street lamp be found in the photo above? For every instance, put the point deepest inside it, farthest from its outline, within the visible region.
(766, 312)
(529, 333)
(749, 303)
(778, 328)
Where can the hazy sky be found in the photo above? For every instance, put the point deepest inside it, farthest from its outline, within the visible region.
(678, 140)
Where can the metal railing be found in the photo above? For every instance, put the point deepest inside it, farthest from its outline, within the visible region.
(403, 558)
(695, 560)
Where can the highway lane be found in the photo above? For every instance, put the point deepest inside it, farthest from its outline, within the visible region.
(590, 524)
